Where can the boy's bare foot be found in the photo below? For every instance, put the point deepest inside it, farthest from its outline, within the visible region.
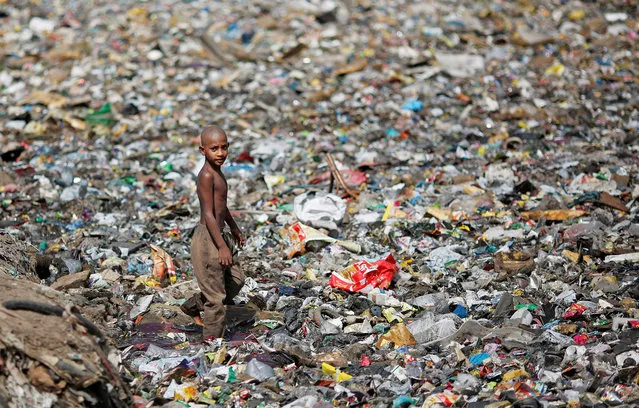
(198, 321)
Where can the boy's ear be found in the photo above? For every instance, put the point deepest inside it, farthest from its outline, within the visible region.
(202, 150)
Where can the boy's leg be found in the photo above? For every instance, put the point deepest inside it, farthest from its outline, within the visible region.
(210, 278)
(233, 276)
(233, 281)
(193, 307)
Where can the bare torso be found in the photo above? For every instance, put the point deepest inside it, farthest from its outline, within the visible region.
(219, 194)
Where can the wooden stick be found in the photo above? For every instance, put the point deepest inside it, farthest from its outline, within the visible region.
(330, 186)
(339, 178)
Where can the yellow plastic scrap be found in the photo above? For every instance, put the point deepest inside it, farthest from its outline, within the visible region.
(512, 374)
(389, 211)
(310, 275)
(574, 256)
(500, 214)
(138, 14)
(577, 15)
(408, 308)
(148, 281)
(392, 315)
(524, 125)
(342, 376)
(273, 180)
(186, 393)
(328, 369)
(339, 376)
(557, 69)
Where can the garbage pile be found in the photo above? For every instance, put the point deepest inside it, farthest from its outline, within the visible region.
(50, 353)
(440, 199)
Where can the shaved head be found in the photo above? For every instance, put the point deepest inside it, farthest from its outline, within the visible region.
(211, 133)
(214, 146)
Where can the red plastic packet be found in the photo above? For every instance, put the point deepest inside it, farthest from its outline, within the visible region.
(365, 274)
(574, 310)
(445, 398)
(581, 338)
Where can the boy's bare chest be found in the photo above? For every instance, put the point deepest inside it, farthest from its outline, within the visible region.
(220, 187)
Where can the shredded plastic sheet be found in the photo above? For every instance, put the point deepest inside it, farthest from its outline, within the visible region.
(301, 235)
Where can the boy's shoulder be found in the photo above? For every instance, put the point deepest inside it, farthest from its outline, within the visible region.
(205, 175)
(209, 175)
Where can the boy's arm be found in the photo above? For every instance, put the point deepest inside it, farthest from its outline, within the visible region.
(205, 194)
(234, 228)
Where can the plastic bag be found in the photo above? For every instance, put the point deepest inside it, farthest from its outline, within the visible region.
(320, 210)
(363, 276)
(163, 266)
(398, 335)
(300, 235)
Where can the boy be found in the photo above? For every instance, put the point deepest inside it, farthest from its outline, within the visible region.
(218, 274)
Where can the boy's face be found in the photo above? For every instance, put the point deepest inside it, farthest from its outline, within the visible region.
(215, 149)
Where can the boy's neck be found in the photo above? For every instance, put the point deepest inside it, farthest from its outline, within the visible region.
(214, 167)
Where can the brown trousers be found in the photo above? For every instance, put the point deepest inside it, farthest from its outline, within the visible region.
(219, 285)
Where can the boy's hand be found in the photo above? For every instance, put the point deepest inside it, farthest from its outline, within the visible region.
(239, 237)
(224, 256)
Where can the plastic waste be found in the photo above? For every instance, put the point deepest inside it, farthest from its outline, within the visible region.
(489, 147)
(320, 210)
(258, 370)
(301, 236)
(364, 276)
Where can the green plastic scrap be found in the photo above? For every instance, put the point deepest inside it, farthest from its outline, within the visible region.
(232, 377)
(403, 401)
(102, 116)
(528, 306)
